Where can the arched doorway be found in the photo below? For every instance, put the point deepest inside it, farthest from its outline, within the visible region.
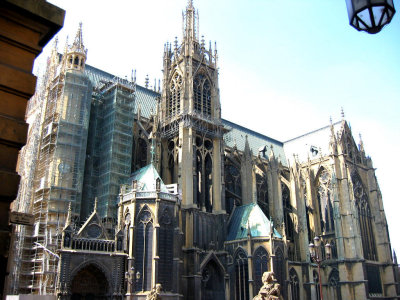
(212, 282)
(89, 283)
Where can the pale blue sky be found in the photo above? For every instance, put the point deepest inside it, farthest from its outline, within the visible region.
(285, 66)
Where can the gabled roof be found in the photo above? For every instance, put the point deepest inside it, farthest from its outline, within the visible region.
(146, 178)
(94, 218)
(251, 217)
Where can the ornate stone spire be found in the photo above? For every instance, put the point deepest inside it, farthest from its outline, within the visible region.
(78, 46)
(69, 216)
(77, 53)
(190, 23)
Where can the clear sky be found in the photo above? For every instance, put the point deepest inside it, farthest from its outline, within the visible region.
(286, 67)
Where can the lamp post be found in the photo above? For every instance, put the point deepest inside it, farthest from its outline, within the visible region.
(317, 258)
(370, 15)
(132, 279)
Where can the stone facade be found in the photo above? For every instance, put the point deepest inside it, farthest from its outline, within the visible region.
(209, 205)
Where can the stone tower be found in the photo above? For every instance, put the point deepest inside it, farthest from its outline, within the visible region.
(189, 152)
(190, 119)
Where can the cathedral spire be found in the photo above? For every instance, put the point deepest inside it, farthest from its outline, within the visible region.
(190, 23)
(78, 41)
(77, 53)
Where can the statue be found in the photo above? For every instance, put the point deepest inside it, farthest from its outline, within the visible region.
(155, 293)
(271, 289)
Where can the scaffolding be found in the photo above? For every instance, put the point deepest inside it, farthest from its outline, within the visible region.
(79, 147)
(54, 180)
(114, 132)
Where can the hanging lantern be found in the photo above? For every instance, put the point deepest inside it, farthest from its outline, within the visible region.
(370, 15)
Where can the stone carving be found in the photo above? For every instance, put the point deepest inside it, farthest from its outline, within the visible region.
(155, 293)
(271, 289)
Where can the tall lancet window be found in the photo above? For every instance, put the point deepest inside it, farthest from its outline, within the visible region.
(144, 249)
(262, 193)
(325, 202)
(202, 94)
(175, 93)
(365, 218)
(241, 276)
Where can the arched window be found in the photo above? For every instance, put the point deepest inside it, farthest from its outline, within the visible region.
(241, 276)
(294, 285)
(144, 249)
(279, 267)
(262, 193)
(127, 223)
(233, 186)
(333, 283)
(260, 265)
(287, 210)
(316, 285)
(202, 94)
(139, 154)
(165, 249)
(365, 218)
(325, 202)
(175, 89)
(203, 177)
(212, 282)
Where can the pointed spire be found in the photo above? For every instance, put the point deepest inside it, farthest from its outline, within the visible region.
(78, 42)
(146, 81)
(190, 22)
(361, 144)
(69, 216)
(247, 151)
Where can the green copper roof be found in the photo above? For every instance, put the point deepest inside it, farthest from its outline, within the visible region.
(247, 217)
(146, 179)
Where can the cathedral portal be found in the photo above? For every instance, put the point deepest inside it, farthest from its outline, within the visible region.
(89, 283)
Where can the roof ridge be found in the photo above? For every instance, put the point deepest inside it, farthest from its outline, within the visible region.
(310, 132)
(260, 135)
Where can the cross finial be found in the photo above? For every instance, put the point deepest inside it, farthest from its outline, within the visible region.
(342, 113)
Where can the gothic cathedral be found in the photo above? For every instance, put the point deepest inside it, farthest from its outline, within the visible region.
(146, 193)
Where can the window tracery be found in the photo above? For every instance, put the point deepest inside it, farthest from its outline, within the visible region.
(260, 264)
(241, 276)
(203, 175)
(202, 94)
(316, 282)
(175, 91)
(325, 201)
(365, 218)
(165, 248)
(287, 208)
(294, 285)
(233, 186)
(262, 193)
(144, 249)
